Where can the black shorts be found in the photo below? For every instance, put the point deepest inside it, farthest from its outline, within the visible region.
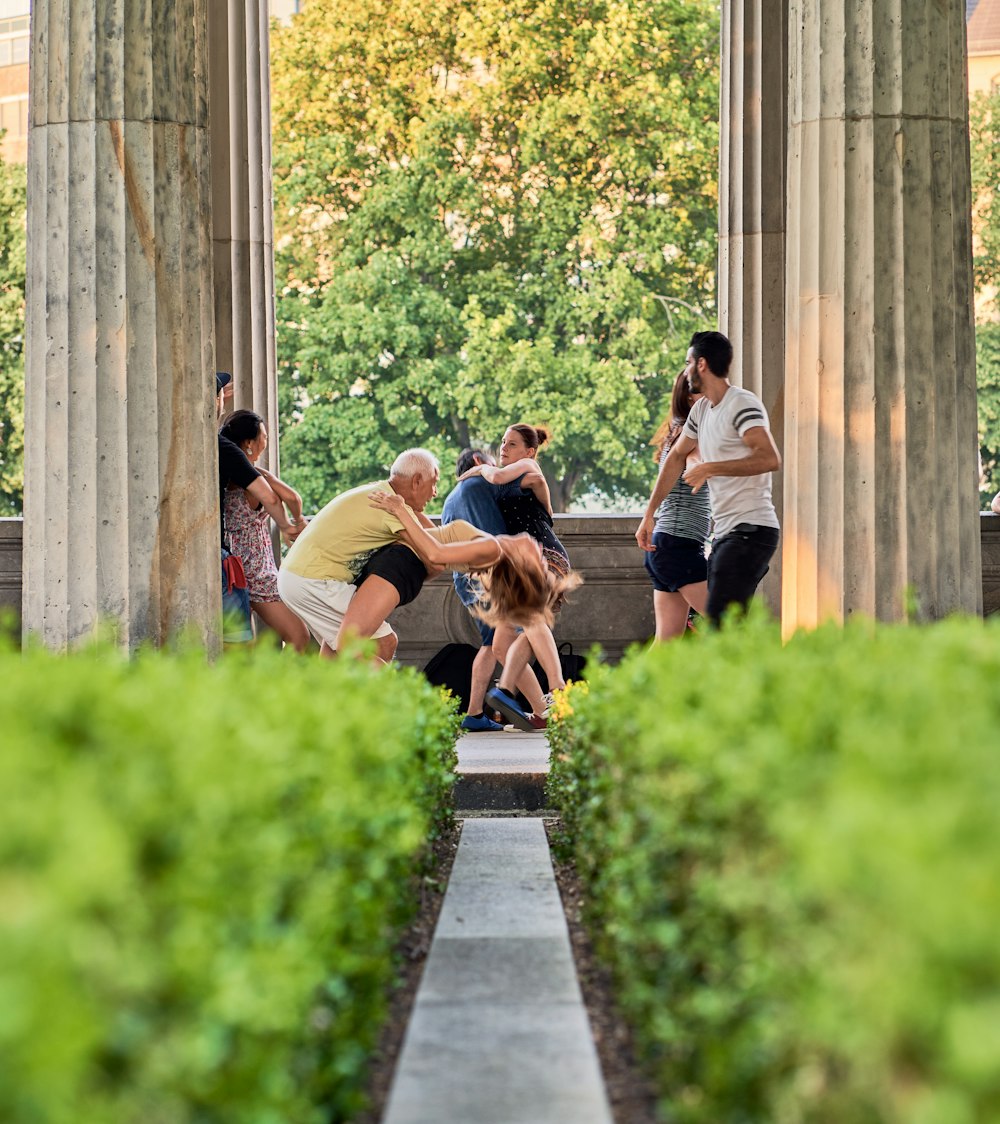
(399, 566)
(675, 562)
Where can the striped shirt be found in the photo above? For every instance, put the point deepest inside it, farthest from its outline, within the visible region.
(719, 432)
(684, 513)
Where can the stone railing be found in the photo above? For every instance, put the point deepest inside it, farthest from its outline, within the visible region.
(614, 607)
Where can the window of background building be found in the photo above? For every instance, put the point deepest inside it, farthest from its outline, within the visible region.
(14, 41)
(14, 116)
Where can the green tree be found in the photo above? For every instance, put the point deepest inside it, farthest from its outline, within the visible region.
(13, 196)
(490, 213)
(988, 380)
(984, 136)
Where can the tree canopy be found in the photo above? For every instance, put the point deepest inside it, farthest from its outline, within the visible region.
(13, 197)
(488, 213)
(984, 136)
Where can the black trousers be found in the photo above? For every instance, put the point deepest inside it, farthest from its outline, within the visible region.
(736, 566)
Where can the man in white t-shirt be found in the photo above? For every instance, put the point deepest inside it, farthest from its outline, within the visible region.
(729, 428)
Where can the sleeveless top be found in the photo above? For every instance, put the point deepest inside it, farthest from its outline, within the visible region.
(683, 513)
(523, 512)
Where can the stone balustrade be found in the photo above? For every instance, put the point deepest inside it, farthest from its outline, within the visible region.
(614, 607)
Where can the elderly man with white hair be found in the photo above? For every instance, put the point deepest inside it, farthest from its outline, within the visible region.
(351, 542)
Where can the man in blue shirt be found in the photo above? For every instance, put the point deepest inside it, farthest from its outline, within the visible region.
(475, 500)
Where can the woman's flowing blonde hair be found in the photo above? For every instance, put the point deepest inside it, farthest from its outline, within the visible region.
(522, 594)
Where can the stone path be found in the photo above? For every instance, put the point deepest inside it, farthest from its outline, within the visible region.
(502, 772)
(499, 1033)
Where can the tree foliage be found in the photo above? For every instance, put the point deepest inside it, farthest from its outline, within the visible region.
(988, 380)
(984, 136)
(490, 213)
(13, 202)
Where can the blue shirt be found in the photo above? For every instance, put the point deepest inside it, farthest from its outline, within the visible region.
(476, 501)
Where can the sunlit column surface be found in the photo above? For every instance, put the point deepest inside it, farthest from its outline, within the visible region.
(241, 206)
(752, 211)
(881, 491)
(121, 507)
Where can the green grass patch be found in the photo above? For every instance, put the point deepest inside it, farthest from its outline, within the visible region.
(203, 871)
(792, 855)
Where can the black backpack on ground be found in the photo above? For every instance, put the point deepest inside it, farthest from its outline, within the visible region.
(451, 667)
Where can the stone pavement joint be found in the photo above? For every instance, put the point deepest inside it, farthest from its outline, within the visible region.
(502, 771)
(499, 1033)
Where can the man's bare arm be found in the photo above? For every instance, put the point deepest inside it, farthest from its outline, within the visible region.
(667, 477)
(764, 457)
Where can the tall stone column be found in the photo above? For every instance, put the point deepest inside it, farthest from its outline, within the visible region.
(243, 232)
(752, 210)
(880, 428)
(121, 483)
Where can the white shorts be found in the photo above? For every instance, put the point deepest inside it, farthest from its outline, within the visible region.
(321, 604)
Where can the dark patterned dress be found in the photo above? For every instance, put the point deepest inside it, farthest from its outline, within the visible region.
(522, 513)
(249, 535)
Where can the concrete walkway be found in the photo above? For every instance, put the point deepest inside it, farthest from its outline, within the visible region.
(502, 771)
(499, 1033)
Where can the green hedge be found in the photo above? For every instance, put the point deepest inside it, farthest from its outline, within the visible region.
(792, 856)
(203, 870)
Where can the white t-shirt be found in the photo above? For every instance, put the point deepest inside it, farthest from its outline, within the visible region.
(719, 432)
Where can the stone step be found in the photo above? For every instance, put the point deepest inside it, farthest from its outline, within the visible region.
(499, 1033)
(502, 772)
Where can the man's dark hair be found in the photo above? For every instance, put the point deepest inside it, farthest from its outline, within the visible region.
(715, 349)
(467, 460)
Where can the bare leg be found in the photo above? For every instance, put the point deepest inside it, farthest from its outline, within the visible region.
(385, 647)
(526, 680)
(482, 673)
(375, 600)
(277, 615)
(503, 637)
(543, 644)
(671, 612)
(696, 596)
(517, 673)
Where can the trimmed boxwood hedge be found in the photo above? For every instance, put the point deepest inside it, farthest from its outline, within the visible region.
(792, 856)
(203, 870)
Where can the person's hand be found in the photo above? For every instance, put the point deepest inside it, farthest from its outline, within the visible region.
(697, 475)
(476, 470)
(644, 535)
(387, 501)
(295, 528)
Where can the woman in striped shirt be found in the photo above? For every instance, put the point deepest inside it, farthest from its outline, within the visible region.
(677, 563)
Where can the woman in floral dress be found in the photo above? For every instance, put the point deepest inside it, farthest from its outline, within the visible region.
(248, 531)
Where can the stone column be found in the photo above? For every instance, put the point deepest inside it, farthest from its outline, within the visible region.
(121, 480)
(241, 206)
(752, 211)
(880, 449)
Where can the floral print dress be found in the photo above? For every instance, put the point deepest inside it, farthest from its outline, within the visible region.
(249, 538)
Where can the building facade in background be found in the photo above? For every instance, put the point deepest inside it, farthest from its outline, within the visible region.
(984, 45)
(14, 39)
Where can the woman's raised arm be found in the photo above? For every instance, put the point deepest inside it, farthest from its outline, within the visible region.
(480, 552)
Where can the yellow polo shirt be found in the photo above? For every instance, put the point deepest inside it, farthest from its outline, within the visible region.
(343, 536)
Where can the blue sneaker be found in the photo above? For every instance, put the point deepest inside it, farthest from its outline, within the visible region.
(480, 724)
(498, 698)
